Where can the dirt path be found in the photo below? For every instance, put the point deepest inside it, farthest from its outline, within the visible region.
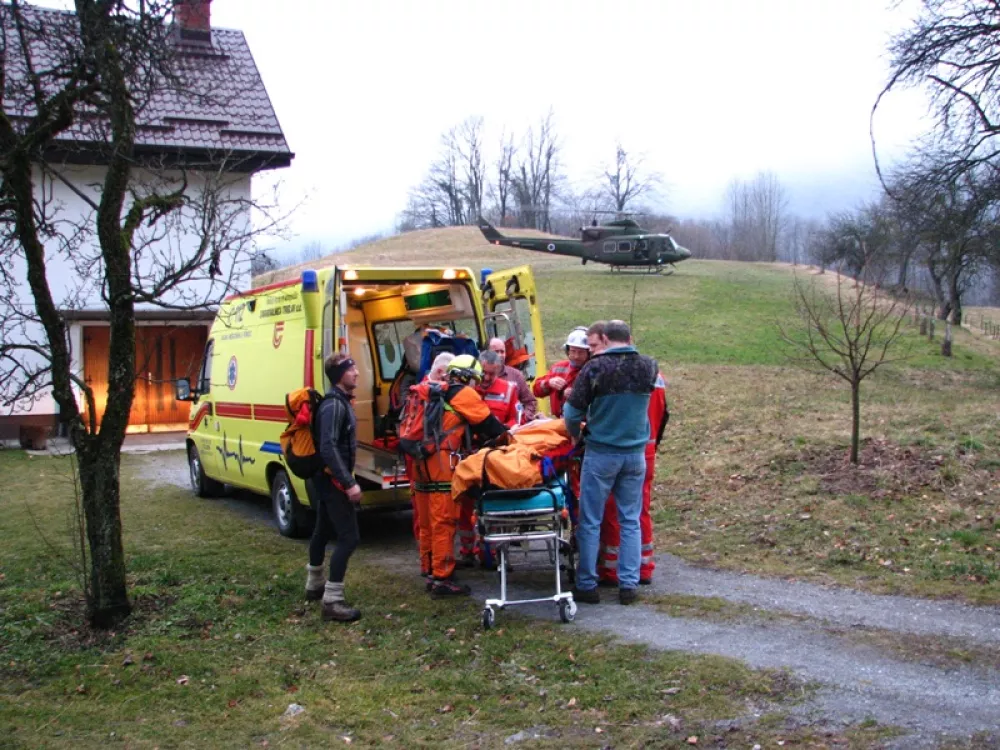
(855, 681)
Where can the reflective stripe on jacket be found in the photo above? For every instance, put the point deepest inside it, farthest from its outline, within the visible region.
(501, 397)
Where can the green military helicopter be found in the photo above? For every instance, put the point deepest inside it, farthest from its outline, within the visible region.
(620, 244)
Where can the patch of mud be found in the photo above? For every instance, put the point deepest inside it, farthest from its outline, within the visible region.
(884, 469)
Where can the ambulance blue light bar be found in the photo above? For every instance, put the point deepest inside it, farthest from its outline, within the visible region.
(310, 282)
(483, 274)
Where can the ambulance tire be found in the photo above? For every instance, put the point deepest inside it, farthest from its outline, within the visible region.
(289, 515)
(203, 485)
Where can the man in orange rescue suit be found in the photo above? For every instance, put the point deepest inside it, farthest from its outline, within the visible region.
(501, 397)
(559, 380)
(607, 560)
(432, 476)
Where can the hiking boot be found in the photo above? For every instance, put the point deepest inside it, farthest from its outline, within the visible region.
(466, 561)
(645, 581)
(448, 588)
(587, 596)
(340, 611)
(627, 596)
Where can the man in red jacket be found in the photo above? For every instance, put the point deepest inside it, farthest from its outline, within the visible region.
(607, 561)
(557, 382)
(499, 394)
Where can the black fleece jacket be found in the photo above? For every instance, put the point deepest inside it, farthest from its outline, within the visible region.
(338, 437)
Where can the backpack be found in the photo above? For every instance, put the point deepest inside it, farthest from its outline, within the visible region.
(421, 425)
(299, 441)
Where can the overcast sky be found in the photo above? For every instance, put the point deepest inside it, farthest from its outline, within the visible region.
(708, 91)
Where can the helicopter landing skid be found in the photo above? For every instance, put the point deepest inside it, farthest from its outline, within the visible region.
(648, 270)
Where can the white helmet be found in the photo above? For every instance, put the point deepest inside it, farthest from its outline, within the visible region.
(578, 338)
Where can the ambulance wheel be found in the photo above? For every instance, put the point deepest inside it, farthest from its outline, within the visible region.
(567, 610)
(489, 617)
(203, 485)
(289, 514)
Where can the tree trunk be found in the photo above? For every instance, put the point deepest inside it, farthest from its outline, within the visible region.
(937, 284)
(107, 603)
(955, 294)
(855, 421)
(904, 269)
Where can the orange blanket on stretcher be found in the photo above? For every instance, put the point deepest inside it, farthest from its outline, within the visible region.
(514, 466)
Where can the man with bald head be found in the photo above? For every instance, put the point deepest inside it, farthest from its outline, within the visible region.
(529, 404)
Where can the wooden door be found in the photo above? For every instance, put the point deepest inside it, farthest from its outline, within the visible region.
(163, 354)
(96, 341)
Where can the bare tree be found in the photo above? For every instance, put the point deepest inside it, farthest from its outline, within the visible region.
(538, 175)
(311, 251)
(263, 262)
(626, 180)
(74, 85)
(952, 221)
(953, 48)
(849, 333)
(504, 177)
(468, 143)
(757, 215)
(452, 192)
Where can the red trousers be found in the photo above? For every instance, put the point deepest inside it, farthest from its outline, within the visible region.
(607, 559)
(467, 542)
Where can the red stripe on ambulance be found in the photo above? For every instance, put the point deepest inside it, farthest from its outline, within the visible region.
(229, 409)
(204, 410)
(307, 365)
(270, 413)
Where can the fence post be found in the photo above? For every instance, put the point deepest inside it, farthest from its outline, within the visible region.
(946, 344)
(930, 328)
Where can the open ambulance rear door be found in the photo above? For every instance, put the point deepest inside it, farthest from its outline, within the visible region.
(385, 484)
(510, 305)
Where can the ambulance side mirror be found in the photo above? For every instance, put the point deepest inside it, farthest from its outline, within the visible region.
(182, 390)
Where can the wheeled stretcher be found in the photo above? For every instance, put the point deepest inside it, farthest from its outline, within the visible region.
(528, 529)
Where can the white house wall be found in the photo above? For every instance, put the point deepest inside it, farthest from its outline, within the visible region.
(73, 259)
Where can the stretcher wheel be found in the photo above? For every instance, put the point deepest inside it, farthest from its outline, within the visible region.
(567, 610)
(489, 617)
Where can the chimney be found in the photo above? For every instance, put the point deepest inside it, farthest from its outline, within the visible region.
(193, 19)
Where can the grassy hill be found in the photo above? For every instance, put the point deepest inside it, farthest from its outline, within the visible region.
(752, 474)
(458, 246)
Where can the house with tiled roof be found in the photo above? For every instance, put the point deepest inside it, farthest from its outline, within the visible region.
(219, 128)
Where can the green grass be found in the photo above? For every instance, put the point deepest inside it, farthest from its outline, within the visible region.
(711, 312)
(221, 643)
(754, 445)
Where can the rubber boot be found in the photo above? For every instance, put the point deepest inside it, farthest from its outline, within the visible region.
(335, 607)
(314, 582)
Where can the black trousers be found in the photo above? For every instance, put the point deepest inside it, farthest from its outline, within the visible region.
(336, 518)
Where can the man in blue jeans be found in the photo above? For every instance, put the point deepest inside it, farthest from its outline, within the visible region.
(611, 395)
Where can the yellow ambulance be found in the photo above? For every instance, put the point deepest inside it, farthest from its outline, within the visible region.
(271, 340)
